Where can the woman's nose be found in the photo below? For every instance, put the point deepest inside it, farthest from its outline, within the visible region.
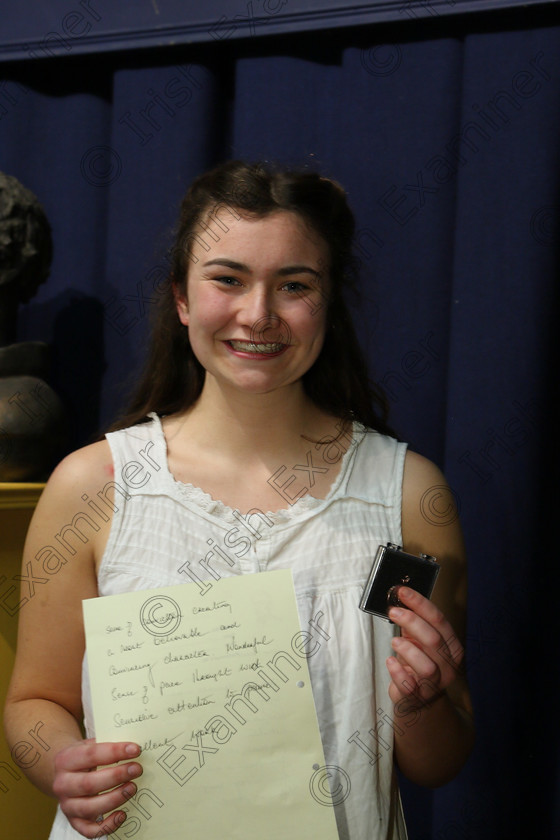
(265, 325)
(257, 304)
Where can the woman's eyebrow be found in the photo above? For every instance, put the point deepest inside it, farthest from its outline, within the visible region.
(283, 272)
(236, 266)
(299, 269)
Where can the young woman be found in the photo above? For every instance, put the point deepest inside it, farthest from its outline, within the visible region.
(254, 406)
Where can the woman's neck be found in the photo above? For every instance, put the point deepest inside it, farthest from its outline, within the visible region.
(252, 426)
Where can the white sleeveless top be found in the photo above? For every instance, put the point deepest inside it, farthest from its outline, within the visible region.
(161, 526)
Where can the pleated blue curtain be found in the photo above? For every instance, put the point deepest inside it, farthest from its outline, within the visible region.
(448, 148)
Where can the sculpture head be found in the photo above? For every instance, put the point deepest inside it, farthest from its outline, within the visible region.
(25, 241)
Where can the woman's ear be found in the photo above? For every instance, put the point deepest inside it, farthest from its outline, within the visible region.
(181, 304)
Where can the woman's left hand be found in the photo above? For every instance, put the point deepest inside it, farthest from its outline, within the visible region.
(428, 654)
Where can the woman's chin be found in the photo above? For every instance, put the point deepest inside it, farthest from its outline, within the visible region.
(252, 383)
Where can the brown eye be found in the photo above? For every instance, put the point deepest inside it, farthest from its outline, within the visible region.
(227, 280)
(295, 287)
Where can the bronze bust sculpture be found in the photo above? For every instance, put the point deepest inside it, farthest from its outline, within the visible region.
(31, 414)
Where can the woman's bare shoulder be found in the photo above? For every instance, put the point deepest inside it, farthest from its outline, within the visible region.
(92, 460)
(83, 472)
(429, 505)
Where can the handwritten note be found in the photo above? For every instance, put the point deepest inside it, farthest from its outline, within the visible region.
(217, 693)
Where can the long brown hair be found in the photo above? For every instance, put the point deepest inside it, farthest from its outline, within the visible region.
(338, 380)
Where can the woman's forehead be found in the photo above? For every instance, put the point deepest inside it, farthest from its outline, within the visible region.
(276, 237)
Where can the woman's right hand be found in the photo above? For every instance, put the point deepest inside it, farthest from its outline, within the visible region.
(83, 784)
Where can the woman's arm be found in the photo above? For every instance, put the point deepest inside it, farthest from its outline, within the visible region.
(45, 691)
(434, 731)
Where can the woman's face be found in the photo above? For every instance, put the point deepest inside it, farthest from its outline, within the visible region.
(256, 301)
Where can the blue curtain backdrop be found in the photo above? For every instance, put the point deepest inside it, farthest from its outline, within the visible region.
(446, 135)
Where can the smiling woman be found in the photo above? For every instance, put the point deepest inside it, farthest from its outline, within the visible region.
(254, 364)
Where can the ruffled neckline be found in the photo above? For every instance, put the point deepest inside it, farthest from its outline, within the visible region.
(219, 509)
(215, 507)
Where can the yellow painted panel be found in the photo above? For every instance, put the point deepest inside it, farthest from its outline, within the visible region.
(20, 495)
(27, 814)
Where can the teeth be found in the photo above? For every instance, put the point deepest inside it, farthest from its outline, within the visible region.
(251, 347)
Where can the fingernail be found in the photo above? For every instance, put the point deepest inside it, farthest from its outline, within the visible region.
(129, 791)
(396, 612)
(134, 770)
(120, 818)
(132, 749)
